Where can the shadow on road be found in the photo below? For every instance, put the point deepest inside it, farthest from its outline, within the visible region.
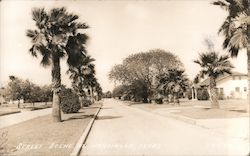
(107, 117)
(94, 107)
(79, 117)
(106, 108)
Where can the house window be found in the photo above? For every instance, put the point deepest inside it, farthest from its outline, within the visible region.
(217, 90)
(245, 89)
(237, 89)
(221, 91)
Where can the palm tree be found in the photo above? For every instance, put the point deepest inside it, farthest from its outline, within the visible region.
(89, 75)
(76, 74)
(236, 29)
(98, 90)
(56, 32)
(213, 66)
(173, 82)
(83, 76)
(77, 67)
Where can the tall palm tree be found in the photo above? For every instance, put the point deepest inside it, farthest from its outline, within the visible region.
(236, 29)
(98, 90)
(76, 68)
(89, 75)
(213, 66)
(76, 75)
(82, 76)
(57, 30)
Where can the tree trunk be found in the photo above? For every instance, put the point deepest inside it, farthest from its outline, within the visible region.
(81, 101)
(56, 86)
(177, 101)
(91, 95)
(214, 101)
(248, 69)
(18, 104)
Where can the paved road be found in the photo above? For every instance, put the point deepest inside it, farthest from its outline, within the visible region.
(123, 130)
(8, 120)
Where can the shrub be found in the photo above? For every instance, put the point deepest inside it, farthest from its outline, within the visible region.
(159, 101)
(202, 94)
(86, 102)
(69, 101)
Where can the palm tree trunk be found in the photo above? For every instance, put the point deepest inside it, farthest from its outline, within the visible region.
(56, 85)
(81, 101)
(214, 101)
(91, 94)
(18, 104)
(248, 69)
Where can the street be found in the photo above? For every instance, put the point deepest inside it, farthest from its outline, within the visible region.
(123, 130)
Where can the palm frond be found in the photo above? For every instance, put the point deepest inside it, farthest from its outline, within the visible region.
(82, 26)
(46, 61)
(233, 51)
(239, 39)
(46, 56)
(198, 62)
(37, 14)
(222, 4)
(32, 51)
(213, 65)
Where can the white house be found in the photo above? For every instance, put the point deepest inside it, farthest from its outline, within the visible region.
(230, 86)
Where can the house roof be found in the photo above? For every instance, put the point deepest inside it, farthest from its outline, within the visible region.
(206, 81)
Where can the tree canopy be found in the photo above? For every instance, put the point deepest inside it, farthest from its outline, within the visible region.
(139, 71)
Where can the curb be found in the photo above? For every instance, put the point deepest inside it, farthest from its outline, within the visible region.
(83, 138)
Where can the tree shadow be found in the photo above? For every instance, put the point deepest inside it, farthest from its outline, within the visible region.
(94, 107)
(107, 117)
(78, 117)
(106, 108)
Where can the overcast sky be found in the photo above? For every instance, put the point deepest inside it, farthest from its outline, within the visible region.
(117, 30)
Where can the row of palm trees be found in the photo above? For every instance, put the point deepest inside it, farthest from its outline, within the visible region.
(58, 35)
(83, 78)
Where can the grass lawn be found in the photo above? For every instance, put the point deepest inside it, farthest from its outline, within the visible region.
(203, 113)
(198, 109)
(6, 109)
(41, 136)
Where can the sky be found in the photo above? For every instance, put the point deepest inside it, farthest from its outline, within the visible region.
(117, 29)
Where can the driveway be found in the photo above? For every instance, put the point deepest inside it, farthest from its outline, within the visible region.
(124, 130)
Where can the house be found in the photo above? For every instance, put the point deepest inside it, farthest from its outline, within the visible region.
(229, 86)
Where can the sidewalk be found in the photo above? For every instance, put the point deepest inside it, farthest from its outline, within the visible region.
(231, 124)
(232, 127)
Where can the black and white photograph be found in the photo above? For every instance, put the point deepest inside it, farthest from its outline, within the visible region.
(124, 77)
